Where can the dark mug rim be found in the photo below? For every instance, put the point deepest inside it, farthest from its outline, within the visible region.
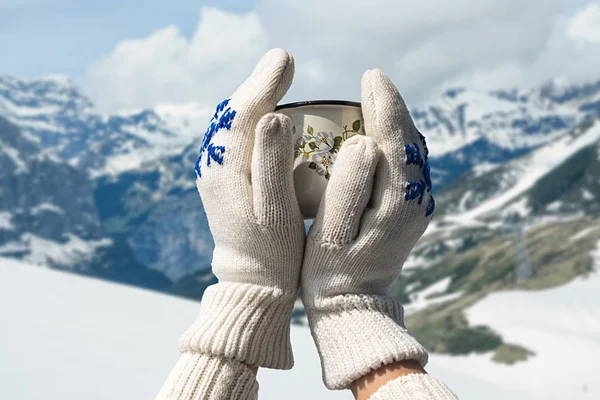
(318, 103)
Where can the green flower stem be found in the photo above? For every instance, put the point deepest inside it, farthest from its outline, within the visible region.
(347, 131)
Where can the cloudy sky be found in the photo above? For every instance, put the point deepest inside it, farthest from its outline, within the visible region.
(141, 53)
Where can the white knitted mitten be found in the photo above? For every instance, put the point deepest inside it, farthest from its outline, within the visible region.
(376, 206)
(245, 179)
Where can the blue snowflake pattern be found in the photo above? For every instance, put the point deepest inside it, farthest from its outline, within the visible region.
(222, 119)
(416, 190)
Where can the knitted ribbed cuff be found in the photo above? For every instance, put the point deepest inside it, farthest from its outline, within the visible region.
(245, 322)
(203, 377)
(414, 387)
(355, 334)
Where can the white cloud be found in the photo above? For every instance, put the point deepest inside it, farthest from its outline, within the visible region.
(585, 25)
(167, 67)
(569, 58)
(424, 46)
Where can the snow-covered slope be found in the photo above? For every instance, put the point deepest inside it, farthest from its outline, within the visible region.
(525, 184)
(67, 337)
(70, 338)
(562, 327)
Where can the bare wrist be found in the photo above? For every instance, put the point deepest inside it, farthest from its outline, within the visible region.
(366, 386)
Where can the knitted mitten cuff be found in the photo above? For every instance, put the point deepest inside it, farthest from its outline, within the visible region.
(245, 322)
(355, 334)
(414, 387)
(204, 377)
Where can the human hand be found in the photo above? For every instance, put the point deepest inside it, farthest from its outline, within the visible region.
(244, 177)
(377, 205)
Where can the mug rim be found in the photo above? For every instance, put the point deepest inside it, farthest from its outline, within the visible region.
(318, 103)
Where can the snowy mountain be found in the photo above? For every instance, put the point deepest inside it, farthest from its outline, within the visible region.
(134, 160)
(62, 118)
(158, 210)
(88, 328)
(561, 177)
(48, 216)
(468, 128)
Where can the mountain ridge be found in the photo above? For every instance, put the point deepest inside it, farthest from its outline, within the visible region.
(144, 192)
